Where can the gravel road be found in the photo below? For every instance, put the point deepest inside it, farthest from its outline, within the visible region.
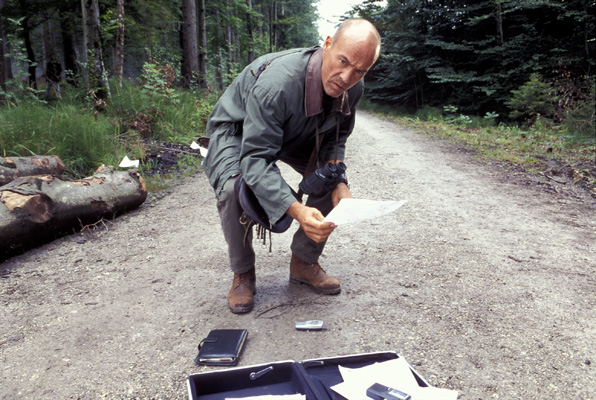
(484, 281)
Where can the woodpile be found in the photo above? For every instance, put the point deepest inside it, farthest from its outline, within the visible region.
(37, 208)
(12, 168)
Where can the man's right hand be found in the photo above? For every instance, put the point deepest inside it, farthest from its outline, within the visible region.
(311, 221)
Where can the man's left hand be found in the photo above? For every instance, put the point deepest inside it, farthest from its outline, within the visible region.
(341, 191)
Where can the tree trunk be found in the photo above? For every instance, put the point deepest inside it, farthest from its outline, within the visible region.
(45, 41)
(275, 45)
(49, 43)
(202, 44)
(218, 66)
(3, 60)
(588, 33)
(12, 168)
(261, 21)
(37, 208)
(229, 46)
(251, 32)
(499, 19)
(28, 45)
(85, 31)
(71, 68)
(98, 81)
(271, 25)
(6, 48)
(190, 59)
(119, 56)
(280, 33)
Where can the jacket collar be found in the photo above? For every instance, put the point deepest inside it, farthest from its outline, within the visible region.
(313, 89)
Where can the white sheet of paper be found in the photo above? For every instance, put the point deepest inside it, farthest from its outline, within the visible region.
(355, 210)
(393, 373)
(128, 163)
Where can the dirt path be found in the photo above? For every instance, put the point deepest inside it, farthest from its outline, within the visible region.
(485, 285)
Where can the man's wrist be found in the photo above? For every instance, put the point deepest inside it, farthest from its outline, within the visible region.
(344, 180)
(294, 209)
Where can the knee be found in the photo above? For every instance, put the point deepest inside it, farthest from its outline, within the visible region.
(228, 190)
(227, 195)
(323, 203)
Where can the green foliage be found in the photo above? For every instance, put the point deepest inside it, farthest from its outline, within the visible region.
(431, 114)
(491, 115)
(159, 110)
(150, 33)
(453, 117)
(152, 29)
(296, 28)
(474, 54)
(17, 88)
(580, 123)
(533, 99)
(157, 83)
(238, 34)
(184, 123)
(85, 139)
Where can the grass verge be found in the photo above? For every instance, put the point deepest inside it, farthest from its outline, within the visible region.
(539, 149)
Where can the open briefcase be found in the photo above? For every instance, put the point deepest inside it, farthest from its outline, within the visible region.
(312, 378)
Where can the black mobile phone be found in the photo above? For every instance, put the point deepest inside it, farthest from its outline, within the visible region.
(381, 392)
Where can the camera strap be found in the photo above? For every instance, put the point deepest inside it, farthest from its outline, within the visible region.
(312, 161)
(314, 157)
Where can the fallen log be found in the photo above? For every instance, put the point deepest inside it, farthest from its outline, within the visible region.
(12, 168)
(35, 209)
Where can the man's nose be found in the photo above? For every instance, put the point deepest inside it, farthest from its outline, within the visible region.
(347, 76)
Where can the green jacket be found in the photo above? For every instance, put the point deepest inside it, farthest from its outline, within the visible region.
(261, 118)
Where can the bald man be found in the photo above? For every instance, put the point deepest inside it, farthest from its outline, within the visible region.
(274, 111)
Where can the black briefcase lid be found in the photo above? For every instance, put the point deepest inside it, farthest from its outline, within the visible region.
(324, 372)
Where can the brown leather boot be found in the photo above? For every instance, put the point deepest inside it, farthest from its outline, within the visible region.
(242, 294)
(313, 275)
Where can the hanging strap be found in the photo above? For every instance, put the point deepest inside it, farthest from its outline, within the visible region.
(314, 157)
(264, 66)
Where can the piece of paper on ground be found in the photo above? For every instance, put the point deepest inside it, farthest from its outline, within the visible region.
(194, 145)
(128, 163)
(355, 210)
(393, 373)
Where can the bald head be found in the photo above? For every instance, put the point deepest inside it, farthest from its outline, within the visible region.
(348, 55)
(359, 29)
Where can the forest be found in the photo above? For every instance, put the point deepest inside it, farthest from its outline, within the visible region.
(516, 61)
(204, 41)
(476, 54)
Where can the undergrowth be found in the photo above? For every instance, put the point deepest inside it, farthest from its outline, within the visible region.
(84, 138)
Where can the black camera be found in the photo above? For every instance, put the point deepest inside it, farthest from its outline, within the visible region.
(324, 179)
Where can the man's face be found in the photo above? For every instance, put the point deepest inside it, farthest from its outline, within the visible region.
(345, 63)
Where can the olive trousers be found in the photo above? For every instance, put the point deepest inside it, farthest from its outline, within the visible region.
(239, 238)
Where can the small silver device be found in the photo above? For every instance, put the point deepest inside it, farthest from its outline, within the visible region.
(312, 325)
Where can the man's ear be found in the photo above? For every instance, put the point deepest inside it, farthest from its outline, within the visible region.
(328, 42)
